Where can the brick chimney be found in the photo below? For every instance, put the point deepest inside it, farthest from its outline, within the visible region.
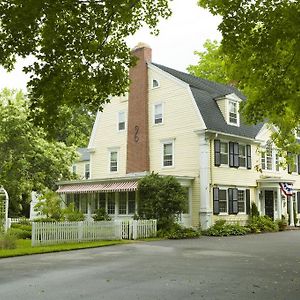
(137, 135)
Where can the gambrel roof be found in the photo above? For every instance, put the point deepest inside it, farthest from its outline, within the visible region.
(205, 93)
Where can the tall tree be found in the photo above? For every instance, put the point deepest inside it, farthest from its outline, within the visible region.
(79, 45)
(28, 161)
(211, 64)
(262, 41)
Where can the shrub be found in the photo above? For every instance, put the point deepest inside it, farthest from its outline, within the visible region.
(8, 241)
(254, 210)
(101, 215)
(20, 233)
(161, 198)
(282, 224)
(220, 228)
(71, 214)
(262, 224)
(178, 232)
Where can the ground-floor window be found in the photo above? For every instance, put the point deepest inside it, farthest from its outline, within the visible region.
(121, 203)
(231, 200)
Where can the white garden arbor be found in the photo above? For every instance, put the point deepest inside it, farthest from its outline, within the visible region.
(4, 208)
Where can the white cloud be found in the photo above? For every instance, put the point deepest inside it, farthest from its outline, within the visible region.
(183, 33)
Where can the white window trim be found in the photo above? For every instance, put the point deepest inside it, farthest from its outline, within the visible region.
(164, 142)
(274, 152)
(162, 113)
(152, 81)
(237, 112)
(109, 159)
(118, 120)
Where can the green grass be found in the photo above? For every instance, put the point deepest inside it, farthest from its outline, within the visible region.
(24, 247)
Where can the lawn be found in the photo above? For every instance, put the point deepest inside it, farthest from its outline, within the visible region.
(24, 247)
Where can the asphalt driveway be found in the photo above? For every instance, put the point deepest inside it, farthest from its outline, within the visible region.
(264, 266)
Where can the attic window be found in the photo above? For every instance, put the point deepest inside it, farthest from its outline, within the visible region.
(155, 83)
(233, 113)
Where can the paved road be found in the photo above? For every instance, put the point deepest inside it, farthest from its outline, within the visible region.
(262, 266)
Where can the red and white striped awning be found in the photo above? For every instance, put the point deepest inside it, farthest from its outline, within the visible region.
(98, 187)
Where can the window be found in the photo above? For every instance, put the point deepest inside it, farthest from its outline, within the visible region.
(74, 169)
(168, 154)
(233, 112)
(186, 209)
(113, 161)
(121, 121)
(233, 154)
(242, 155)
(111, 203)
(122, 203)
(158, 113)
(222, 201)
(87, 171)
(155, 83)
(294, 165)
(231, 200)
(131, 203)
(241, 201)
(224, 153)
(269, 158)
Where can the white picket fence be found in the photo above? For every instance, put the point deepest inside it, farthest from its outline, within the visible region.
(45, 233)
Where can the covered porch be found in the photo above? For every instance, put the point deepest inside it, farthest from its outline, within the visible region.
(276, 199)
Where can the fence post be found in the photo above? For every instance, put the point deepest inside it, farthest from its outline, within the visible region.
(33, 234)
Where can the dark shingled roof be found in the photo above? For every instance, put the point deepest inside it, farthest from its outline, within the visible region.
(205, 92)
(84, 154)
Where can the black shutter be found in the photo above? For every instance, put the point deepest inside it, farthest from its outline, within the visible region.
(248, 153)
(289, 154)
(298, 157)
(216, 201)
(298, 202)
(235, 201)
(217, 153)
(247, 201)
(236, 154)
(230, 201)
(231, 154)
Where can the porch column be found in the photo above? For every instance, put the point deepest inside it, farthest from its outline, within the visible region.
(279, 204)
(204, 172)
(292, 223)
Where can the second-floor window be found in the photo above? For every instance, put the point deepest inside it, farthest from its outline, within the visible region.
(269, 158)
(121, 120)
(87, 171)
(113, 161)
(168, 154)
(158, 113)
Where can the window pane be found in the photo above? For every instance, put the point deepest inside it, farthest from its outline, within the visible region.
(158, 114)
(111, 203)
(131, 203)
(87, 171)
(168, 154)
(224, 153)
(113, 161)
(241, 201)
(222, 201)
(232, 112)
(121, 120)
(122, 203)
(242, 155)
(83, 203)
(101, 200)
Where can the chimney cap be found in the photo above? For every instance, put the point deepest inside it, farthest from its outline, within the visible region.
(141, 45)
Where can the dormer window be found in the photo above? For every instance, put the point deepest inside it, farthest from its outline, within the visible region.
(155, 83)
(233, 112)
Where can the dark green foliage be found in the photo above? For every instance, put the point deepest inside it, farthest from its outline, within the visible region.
(20, 233)
(71, 214)
(254, 210)
(101, 215)
(179, 232)
(82, 55)
(262, 224)
(8, 241)
(220, 228)
(161, 198)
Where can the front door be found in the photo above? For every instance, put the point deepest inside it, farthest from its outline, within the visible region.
(269, 204)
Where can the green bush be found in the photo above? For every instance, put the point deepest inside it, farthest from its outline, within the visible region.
(71, 214)
(282, 224)
(20, 233)
(178, 232)
(8, 241)
(101, 215)
(262, 224)
(220, 228)
(254, 210)
(22, 226)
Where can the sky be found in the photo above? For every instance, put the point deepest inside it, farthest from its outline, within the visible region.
(180, 35)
